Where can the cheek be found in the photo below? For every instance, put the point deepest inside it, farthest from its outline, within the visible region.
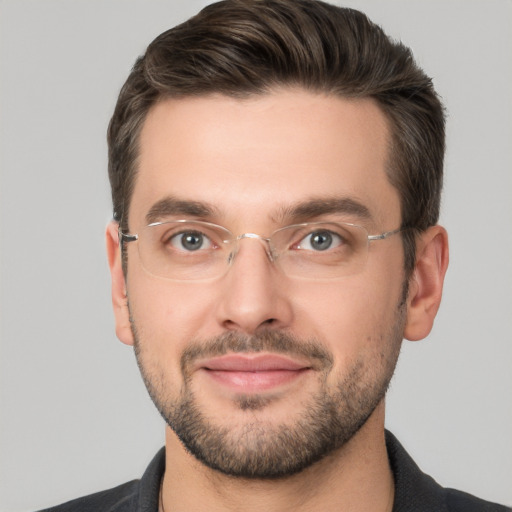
(168, 315)
(353, 317)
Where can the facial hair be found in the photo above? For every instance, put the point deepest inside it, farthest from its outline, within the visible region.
(258, 448)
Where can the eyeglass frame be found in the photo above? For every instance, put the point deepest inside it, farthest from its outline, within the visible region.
(133, 237)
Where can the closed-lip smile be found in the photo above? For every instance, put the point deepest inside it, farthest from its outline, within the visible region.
(251, 373)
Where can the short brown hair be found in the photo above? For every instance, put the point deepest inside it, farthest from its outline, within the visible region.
(245, 47)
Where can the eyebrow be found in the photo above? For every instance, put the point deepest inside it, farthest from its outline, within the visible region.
(317, 207)
(298, 212)
(171, 206)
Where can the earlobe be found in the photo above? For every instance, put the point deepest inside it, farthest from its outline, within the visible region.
(119, 295)
(426, 282)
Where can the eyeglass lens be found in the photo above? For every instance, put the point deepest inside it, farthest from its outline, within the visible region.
(188, 250)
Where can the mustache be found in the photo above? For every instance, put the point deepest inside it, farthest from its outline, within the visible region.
(264, 341)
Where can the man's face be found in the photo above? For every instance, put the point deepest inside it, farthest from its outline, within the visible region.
(258, 373)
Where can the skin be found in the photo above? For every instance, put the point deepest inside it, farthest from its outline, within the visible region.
(251, 159)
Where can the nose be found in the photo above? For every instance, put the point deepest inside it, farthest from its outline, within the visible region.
(254, 293)
(265, 241)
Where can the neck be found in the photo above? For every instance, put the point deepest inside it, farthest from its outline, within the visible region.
(356, 477)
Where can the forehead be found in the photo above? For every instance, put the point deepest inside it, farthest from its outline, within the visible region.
(257, 157)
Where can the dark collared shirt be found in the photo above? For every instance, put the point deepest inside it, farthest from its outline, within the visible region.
(414, 491)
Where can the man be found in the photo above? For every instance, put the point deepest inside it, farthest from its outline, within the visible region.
(276, 170)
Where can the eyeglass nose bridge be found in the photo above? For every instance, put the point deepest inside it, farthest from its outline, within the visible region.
(269, 249)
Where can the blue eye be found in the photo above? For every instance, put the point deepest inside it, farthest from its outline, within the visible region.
(321, 240)
(190, 241)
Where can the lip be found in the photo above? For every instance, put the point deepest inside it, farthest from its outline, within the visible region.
(250, 373)
(253, 363)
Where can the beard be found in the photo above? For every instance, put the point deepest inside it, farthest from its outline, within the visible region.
(259, 448)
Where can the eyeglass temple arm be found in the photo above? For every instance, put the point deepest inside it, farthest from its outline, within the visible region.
(382, 236)
(125, 238)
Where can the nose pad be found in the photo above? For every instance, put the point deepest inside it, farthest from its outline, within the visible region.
(268, 249)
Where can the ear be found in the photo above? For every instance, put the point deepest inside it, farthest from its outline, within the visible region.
(119, 295)
(426, 282)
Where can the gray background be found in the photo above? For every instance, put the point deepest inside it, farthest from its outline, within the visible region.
(74, 414)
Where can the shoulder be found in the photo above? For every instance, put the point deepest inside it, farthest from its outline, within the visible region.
(458, 501)
(117, 499)
(417, 492)
(134, 496)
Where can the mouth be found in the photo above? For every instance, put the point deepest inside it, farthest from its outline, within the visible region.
(253, 373)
